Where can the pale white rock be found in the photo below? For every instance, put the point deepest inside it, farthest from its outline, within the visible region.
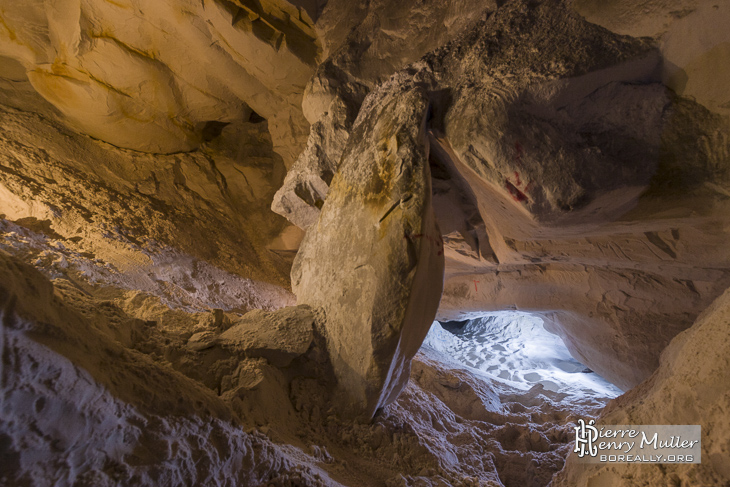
(374, 259)
(642, 257)
(150, 75)
(307, 183)
(84, 405)
(619, 247)
(615, 321)
(462, 392)
(615, 291)
(691, 386)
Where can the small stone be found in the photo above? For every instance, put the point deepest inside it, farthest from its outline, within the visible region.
(278, 336)
(201, 341)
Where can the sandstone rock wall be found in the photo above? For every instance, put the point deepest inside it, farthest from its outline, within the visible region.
(691, 386)
(693, 40)
(560, 157)
(193, 229)
(364, 44)
(113, 390)
(568, 159)
(149, 76)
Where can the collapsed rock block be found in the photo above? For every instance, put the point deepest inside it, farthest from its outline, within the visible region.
(278, 336)
(374, 260)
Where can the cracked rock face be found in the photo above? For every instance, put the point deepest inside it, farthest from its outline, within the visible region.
(374, 259)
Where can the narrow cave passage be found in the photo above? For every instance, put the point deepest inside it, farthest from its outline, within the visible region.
(514, 348)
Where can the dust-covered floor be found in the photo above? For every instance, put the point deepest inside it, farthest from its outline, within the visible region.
(104, 385)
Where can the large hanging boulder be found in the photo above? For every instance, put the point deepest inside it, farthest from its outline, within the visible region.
(374, 259)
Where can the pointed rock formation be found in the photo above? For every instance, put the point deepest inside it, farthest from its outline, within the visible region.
(374, 259)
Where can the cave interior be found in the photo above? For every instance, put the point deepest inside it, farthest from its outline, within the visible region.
(333, 243)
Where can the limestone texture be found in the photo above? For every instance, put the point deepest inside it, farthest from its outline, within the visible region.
(424, 159)
(691, 386)
(694, 46)
(374, 259)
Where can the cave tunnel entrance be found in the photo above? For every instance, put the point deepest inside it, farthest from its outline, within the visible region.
(515, 348)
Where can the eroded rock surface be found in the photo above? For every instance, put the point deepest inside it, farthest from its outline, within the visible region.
(194, 229)
(154, 412)
(693, 42)
(74, 394)
(691, 386)
(364, 44)
(374, 259)
(557, 166)
(278, 336)
(543, 156)
(155, 76)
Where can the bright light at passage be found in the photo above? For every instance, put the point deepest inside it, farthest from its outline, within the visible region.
(515, 348)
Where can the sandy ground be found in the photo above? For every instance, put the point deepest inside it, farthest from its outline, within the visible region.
(100, 387)
(515, 348)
